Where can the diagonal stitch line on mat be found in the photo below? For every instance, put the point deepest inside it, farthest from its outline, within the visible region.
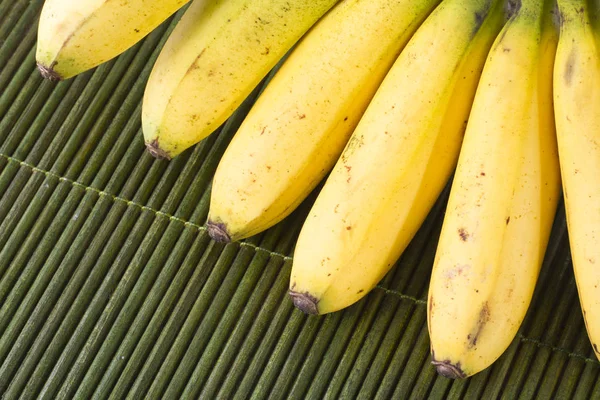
(131, 203)
(257, 248)
(402, 295)
(569, 353)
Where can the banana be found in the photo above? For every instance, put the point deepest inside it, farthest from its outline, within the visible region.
(502, 201)
(77, 35)
(396, 162)
(217, 54)
(594, 18)
(298, 127)
(577, 106)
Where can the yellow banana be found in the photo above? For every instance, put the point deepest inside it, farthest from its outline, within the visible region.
(577, 113)
(397, 161)
(217, 54)
(502, 202)
(298, 127)
(77, 35)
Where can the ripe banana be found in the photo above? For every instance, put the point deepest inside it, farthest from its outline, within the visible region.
(397, 161)
(77, 35)
(502, 202)
(217, 54)
(298, 127)
(577, 106)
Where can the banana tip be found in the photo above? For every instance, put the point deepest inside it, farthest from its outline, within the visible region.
(218, 232)
(155, 150)
(449, 370)
(49, 73)
(304, 302)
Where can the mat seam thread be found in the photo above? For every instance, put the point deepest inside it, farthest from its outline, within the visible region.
(568, 352)
(285, 258)
(132, 203)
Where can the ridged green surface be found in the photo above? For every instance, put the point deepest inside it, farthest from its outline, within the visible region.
(110, 287)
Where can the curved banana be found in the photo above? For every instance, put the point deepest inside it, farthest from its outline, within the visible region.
(217, 54)
(577, 105)
(77, 35)
(502, 202)
(397, 161)
(298, 127)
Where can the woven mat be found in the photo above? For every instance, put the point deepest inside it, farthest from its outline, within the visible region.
(111, 288)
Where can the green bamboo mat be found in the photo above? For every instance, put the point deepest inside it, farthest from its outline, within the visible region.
(111, 288)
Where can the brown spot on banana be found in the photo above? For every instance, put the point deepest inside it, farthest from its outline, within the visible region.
(569, 67)
(430, 313)
(484, 317)
(556, 18)
(479, 16)
(464, 235)
(195, 64)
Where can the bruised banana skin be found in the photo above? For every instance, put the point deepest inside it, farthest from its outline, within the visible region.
(397, 161)
(217, 54)
(577, 105)
(77, 35)
(502, 202)
(298, 127)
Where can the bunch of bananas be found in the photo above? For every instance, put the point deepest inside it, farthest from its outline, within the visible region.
(390, 98)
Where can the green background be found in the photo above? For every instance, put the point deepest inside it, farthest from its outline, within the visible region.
(111, 288)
